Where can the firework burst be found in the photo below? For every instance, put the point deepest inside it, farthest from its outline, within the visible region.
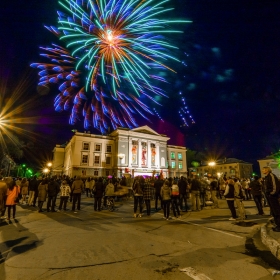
(107, 71)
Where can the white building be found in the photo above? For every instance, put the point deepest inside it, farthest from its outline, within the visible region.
(271, 161)
(138, 151)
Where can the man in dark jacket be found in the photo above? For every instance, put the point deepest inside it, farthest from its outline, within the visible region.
(33, 186)
(256, 191)
(40, 179)
(195, 192)
(77, 189)
(157, 185)
(53, 190)
(183, 185)
(271, 186)
(98, 194)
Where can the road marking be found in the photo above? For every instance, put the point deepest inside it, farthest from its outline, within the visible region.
(194, 274)
(217, 230)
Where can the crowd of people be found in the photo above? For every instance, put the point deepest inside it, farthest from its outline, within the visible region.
(168, 194)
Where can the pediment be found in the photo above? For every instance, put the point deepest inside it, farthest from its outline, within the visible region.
(145, 129)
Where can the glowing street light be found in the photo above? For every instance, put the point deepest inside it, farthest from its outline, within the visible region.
(46, 170)
(212, 163)
(49, 164)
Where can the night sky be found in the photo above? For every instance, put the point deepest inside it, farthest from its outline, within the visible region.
(229, 75)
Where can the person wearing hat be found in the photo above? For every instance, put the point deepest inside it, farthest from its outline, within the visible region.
(64, 195)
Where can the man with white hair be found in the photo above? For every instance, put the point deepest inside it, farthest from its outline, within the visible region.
(272, 188)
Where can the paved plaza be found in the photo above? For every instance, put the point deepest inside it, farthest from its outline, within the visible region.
(114, 245)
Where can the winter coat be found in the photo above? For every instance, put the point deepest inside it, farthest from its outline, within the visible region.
(256, 187)
(42, 192)
(137, 188)
(195, 185)
(157, 185)
(53, 188)
(165, 192)
(110, 190)
(147, 191)
(3, 195)
(77, 186)
(229, 193)
(33, 185)
(98, 189)
(182, 184)
(65, 190)
(271, 184)
(24, 187)
(175, 190)
(11, 195)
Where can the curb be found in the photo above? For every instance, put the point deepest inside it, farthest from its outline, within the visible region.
(270, 242)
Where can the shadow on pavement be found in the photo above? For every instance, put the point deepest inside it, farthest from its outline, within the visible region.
(16, 239)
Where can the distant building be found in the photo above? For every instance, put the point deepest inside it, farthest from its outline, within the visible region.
(271, 161)
(231, 167)
(138, 151)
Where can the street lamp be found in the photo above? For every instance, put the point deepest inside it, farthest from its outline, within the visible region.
(46, 171)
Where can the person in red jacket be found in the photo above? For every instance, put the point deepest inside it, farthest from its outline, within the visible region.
(12, 195)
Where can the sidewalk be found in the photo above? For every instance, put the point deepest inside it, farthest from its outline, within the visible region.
(271, 239)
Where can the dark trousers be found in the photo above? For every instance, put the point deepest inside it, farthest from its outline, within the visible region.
(274, 208)
(202, 198)
(166, 208)
(76, 199)
(183, 200)
(87, 191)
(9, 211)
(258, 201)
(138, 200)
(248, 194)
(63, 202)
(231, 207)
(4, 210)
(158, 197)
(40, 205)
(97, 203)
(148, 206)
(175, 206)
(51, 203)
(35, 198)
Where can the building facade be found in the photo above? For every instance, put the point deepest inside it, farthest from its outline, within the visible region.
(271, 161)
(231, 167)
(130, 152)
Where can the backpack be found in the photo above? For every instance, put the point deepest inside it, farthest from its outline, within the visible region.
(174, 190)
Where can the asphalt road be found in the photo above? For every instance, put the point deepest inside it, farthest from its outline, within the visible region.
(113, 245)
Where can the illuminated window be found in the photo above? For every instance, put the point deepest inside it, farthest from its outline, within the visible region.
(173, 164)
(108, 160)
(86, 146)
(172, 154)
(180, 157)
(109, 149)
(96, 159)
(98, 147)
(84, 159)
(180, 165)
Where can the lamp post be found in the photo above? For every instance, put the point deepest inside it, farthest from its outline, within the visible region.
(121, 157)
